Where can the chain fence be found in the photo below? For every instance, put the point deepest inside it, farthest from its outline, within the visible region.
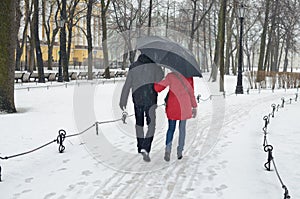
(62, 135)
(267, 147)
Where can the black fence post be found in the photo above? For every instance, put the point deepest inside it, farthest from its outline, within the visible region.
(198, 98)
(282, 105)
(278, 106)
(265, 137)
(286, 193)
(124, 116)
(97, 128)
(0, 174)
(266, 118)
(268, 149)
(60, 139)
(274, 108)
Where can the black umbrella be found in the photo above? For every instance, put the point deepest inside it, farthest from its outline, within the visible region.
(171, 54)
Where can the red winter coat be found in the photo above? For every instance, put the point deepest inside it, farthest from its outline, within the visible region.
(181, 98)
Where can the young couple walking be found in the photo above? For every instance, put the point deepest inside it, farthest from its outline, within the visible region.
(145, 79)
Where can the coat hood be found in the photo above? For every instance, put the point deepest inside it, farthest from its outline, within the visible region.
(144, 59)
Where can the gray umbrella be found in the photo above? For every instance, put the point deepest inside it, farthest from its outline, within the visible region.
(171, 54)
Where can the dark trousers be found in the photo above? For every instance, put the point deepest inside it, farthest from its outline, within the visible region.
(142, 111)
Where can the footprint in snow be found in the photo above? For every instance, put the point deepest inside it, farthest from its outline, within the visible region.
(65, 161)
(28, 180)
(49, 195)
(86, 173)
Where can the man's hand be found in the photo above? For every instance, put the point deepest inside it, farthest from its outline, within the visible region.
(122, 106)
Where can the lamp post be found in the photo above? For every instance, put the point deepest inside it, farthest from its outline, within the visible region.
(61, 24)
(239, 86)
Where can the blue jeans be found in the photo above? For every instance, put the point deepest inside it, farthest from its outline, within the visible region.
(170, 133)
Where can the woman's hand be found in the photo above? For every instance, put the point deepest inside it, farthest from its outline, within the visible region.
(194, 112)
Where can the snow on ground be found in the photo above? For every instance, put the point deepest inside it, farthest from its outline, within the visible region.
(223, 157)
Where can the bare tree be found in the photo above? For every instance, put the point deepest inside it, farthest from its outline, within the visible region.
(73, 18)
(197, 20)
(89, 38)
(7, 55)
(290, 22)
(63, 41)
(23, 15)
(150, 16)
(38, 50)
(104, 9)
(216, 60)
(125, 15)
(229, 33)
(263, 41)
(50, 30)
(222, 21)
(19, 43)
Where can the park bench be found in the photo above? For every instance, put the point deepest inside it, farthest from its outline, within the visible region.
(112, 74)
(34, 76)
(26, 77)
(51, 77)
(46, 75)
(82, 75)
(73, 75)
(100, 74)
(120, 73)
(19, 76)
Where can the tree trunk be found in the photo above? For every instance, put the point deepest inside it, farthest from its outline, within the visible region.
(104, 8)
(8, 36)
(167, 20)
(192, 34)
(89, 39)
(286, 59)
(271, 38)
(150, 17)
(228, 43)
(216, 62)
(125, 56)
(63, 38)
(48, 28)
(32, 65)
(222, 21)
(37, 43)
(263, 42)
(70, 28)
(20, 44)
(204, 53)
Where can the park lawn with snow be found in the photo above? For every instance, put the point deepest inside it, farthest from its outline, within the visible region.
(223, 157)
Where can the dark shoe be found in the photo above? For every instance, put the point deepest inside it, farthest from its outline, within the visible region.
(145, 154)
(167, 156)
(179, 155)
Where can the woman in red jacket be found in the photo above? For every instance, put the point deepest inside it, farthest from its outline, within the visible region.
(180, 105)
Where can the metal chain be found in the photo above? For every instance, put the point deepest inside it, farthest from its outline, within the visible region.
(269, 148)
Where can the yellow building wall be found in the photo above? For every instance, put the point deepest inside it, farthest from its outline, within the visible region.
(80, 55)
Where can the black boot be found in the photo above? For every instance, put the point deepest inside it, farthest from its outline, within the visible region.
(140, 142)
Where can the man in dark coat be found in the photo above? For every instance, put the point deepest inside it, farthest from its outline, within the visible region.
(141, 77)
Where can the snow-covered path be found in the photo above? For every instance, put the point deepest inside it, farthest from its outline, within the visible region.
(223, 157)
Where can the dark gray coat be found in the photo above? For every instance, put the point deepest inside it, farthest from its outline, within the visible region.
(141, 77)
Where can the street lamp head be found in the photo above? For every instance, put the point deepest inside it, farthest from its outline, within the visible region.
(241, 11)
